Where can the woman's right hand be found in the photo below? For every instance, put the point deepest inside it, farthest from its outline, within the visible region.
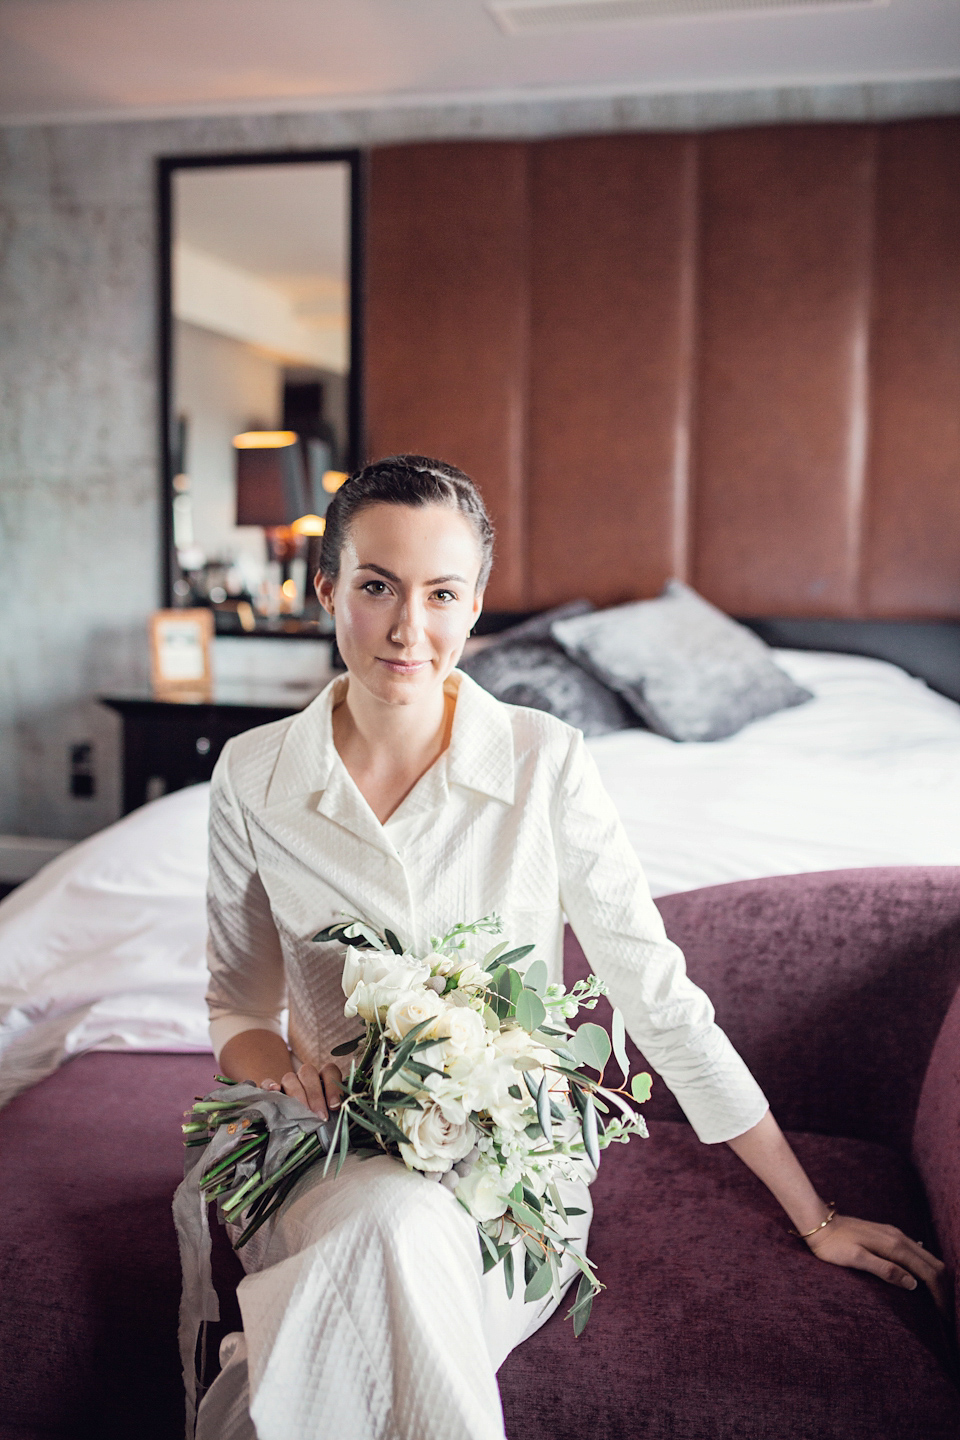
(319, 1090)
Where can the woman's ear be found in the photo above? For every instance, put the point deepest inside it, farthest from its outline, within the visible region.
(477, 607)
(324, 588)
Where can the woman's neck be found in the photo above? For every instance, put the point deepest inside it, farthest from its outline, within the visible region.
(387, 748)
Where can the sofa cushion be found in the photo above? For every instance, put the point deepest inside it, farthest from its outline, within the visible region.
(718, 1325)
(89, 1270)
(832, 986)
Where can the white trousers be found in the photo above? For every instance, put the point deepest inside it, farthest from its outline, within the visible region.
(367, 1316)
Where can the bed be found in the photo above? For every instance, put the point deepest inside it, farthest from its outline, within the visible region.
(104, 948)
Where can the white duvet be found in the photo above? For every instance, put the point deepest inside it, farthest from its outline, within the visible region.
(104, 948)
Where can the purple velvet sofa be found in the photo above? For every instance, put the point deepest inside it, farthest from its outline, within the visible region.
(840, 989)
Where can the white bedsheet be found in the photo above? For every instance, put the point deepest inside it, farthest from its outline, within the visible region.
(867, 773)
(104, 948)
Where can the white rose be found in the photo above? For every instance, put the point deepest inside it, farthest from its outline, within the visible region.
(482, 1191)
(410, 1008)
(435, 1143)
(366, 966)
(380, 986)
(463, 1030)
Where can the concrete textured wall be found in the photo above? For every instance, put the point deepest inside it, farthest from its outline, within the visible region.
(79, 492)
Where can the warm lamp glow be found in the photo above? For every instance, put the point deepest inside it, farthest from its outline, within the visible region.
(289, 588)
(265, 440)
(309, 525)
(332, 480)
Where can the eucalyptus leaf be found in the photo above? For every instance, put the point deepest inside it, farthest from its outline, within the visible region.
(508, 1273)
(348, 1046)
(543, 1107)
(641, 1087)
(512, 956)
(580, 1313)
(393, 942)
(526, 1216)
(535, 976)
(591, 1046)
(619, 1032)
(554, 1194)
(591, 1141)
(529, 1011)
(540, 1284)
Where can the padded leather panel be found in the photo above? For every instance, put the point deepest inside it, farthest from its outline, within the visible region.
(611, 246)
(731, 357)
(447, 322)
(912, 546)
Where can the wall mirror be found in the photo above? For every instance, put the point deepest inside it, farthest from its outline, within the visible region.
(260, 365)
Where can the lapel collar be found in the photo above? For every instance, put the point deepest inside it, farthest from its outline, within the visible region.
(480, 758)
(481, 753)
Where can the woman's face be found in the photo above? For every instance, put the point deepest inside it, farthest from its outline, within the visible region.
(405, 599)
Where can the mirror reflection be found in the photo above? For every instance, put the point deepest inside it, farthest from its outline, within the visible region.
(260, 384)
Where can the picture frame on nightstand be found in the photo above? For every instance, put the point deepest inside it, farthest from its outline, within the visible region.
(181, 650)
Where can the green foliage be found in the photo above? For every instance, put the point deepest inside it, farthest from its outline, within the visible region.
(591, 1046)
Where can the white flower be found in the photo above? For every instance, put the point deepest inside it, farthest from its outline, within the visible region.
(482, 1191)
(379, 985)
(463, 1031)
(518, 1045)
(472, 976)
(485, 1079)
(412, 1007)
(367, 966)
(435, 1143)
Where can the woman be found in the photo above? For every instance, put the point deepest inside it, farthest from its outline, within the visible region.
(407, 795)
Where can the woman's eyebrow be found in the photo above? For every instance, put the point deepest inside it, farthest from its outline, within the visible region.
(389, 575)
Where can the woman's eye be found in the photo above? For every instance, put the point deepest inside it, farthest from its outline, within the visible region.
(375, 587)
(445, 595)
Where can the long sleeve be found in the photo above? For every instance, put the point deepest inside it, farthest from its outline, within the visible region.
(608, 903)
(247, 988)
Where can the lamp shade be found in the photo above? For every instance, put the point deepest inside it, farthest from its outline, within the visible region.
(271, 484)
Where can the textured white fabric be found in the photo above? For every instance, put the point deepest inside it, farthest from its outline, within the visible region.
(867, 773)
(514, 821)
(366, 1315)
(365, 1310)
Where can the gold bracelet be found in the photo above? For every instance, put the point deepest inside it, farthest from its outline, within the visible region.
(831, 1212)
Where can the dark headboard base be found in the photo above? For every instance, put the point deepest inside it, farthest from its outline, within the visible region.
(929, 649)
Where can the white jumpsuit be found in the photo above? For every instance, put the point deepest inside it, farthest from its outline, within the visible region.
(366, 1313)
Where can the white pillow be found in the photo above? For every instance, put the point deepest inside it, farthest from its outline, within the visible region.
(104, 949)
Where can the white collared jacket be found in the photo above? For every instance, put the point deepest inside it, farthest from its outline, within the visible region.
(512, 820)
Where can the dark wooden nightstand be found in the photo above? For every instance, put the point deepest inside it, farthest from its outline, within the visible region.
(170, 742)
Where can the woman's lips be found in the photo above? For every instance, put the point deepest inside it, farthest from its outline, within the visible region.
(403, 667)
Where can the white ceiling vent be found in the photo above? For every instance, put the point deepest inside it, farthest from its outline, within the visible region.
(519, 17)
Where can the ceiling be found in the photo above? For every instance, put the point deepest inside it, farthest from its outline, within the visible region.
(93, 59)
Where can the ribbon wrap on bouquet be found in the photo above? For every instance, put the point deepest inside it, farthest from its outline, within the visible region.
(287, 1121)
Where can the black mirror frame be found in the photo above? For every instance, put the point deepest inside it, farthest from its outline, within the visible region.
(167, 166)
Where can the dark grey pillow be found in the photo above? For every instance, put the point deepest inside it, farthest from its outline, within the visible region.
(525, 666)
(687, 669)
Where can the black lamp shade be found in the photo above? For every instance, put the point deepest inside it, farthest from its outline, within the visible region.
(271, 485)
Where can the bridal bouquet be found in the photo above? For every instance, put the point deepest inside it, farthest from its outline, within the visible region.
(466, 1069)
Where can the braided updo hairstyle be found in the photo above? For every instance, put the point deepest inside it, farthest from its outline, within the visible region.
(405, 480)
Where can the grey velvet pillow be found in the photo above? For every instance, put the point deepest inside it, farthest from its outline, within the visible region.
(526, 666)
(687, 669)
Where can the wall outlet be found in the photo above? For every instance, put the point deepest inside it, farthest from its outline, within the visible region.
(83, 785)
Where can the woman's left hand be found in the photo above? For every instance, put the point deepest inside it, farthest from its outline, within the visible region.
(882, 1250)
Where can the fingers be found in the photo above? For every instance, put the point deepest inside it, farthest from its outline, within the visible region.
(332, 1085)
(319, 1090)
(884, 1251)
(306, 1087)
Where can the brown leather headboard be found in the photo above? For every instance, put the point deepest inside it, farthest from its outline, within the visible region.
(732, 357)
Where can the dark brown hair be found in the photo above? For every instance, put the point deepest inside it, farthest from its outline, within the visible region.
(405, 480)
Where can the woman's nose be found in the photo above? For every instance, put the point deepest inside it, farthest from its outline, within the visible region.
(408, 629)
